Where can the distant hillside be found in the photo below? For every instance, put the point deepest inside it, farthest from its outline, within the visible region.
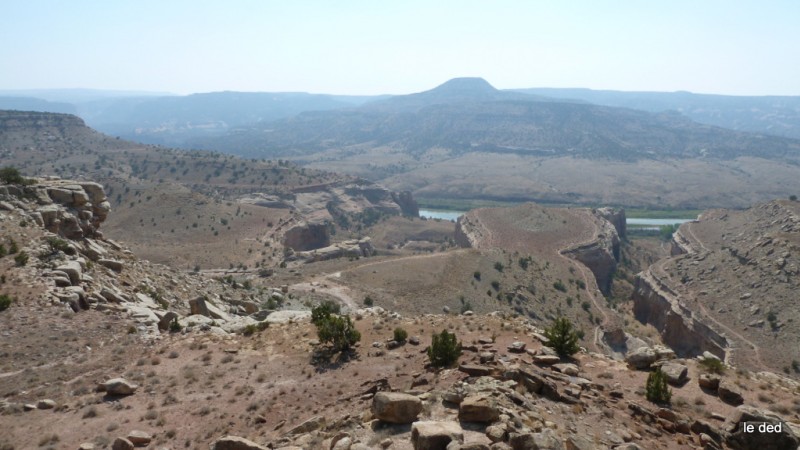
(465, 139)
(189, 208)
(35, 104)
(157, 118)
(774, 115)
(173, 120)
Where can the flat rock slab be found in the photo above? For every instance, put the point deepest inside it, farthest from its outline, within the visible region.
(435, 435)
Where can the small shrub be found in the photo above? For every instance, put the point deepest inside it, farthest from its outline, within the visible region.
(175, 326)
(444, 350)
(476, 275)
(793, 198)
(467, 306)
(21, 259)
(712, 365)
(495, 285)
(11, 175)
(586, 306)
(5, 302)
(3, 251)
(249, 330)
(498, 266)
(656, 389)
(562, 337)
(559, 286)
(368, 301)
(333, 329)
(400, 335)
(57, 244)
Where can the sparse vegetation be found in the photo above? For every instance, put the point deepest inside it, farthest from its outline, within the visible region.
(11, 175)
(444, 350)
(656, 389)
(333, 329)
(400, 335)
(175, 326)
(712, 365)
(562, 337)
(5, 302)
(21, 259)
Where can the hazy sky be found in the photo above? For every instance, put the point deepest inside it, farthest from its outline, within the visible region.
(396, 47)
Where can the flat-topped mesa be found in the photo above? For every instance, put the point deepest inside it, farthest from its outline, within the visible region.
(27, 120)
(72, 209)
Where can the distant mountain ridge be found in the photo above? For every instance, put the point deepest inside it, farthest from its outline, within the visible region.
(468, 114)
(773, 115)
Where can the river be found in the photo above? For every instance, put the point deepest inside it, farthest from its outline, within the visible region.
(453, 215)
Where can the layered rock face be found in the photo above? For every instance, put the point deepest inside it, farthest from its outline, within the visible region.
(307, 236)
(656, 304)
(72, 209)
(26, 120)
(354, 248)
(601, 255)
(729, 286)
(408, 205)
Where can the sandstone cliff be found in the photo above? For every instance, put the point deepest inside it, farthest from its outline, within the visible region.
(601, 254)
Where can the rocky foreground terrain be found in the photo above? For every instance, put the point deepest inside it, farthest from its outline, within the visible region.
(101, 349)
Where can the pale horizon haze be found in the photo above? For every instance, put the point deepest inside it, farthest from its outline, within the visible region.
(392, 47)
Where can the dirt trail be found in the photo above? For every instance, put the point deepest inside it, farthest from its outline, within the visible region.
(327, 282)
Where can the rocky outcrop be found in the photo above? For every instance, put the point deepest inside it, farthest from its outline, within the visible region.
(600, 255)
(408, 205)
(680, 245)
(468, 234)
(71, 209)
(395, 407)
(235, 443)
(781, 436)
(656, 304)
(354, 248)
(307, 236)
(616, 216)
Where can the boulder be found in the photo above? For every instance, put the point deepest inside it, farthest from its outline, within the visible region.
(516, 347)
(641, 358)
(46, 404)
(235, 443)
(166, 319)
(475, 370)
(121, 443)
(139, 438)
(111, 295)
(395, 407)
(675, 373)
(308, 426)
(546, 360)
(738, 439)
(435, 435)
(73, 270)
(546, 440)
(112, 264)
(118, 386)
(567, 369)
(198, 306)
(471, 446)
(478, 408)
(730, 393)
(709, 381)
